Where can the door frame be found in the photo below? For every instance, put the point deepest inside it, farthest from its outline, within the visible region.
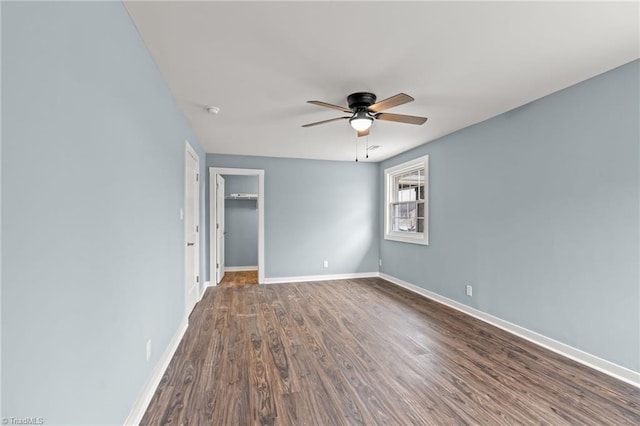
(220, 229)
(189, 151)
(213, 171)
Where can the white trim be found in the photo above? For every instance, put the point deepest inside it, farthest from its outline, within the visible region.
(389, 175)
(240, 268)
(213, 171)
(206, 285)
(189, 151)
(218, 248)
(614, 370)
(141, 404)
(306, 278)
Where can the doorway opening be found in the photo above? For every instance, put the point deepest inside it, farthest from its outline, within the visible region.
(236, 188)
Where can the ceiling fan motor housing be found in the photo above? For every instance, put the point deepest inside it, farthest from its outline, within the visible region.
(360, 100)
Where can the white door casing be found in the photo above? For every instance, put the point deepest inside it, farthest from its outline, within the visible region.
(220, 234)
(213, 213)
(191, 228)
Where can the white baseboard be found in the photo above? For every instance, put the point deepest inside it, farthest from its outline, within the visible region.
(306, 278)
(141, 404)
(240, 268)
(204, 288)
(597, 363)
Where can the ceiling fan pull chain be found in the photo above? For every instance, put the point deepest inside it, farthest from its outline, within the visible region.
(356, 148)
(367, 146)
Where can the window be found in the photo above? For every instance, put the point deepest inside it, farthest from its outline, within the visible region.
(406, 202)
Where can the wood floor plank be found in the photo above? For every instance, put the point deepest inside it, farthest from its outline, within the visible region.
(367, 352)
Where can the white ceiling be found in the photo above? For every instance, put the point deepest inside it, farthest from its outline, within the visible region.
(463, 62)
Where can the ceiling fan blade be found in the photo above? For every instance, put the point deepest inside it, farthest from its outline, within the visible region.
(324, 121)
(363, 133)
(394, 101)
(326, 105)
(400, 118)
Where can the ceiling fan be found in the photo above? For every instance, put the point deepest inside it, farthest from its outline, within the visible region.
(364, 109)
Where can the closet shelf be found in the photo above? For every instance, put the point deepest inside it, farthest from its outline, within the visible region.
(242, 197)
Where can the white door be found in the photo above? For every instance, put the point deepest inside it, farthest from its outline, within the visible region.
(191, 228)
(219, 228)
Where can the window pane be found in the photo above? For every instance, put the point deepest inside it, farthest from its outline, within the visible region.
(420, 225)
(407, 186)
(404, 216)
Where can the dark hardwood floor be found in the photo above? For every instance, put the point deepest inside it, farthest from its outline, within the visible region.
(367, 352)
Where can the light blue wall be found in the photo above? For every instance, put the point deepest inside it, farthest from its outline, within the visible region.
(314, 211)
(538, 210)
(92, 185)
(241, 222)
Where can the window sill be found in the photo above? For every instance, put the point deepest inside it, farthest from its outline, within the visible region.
(405, 238)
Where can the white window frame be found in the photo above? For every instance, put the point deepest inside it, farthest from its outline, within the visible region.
(389, 187)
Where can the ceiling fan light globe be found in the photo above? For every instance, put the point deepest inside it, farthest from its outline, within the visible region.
(361, 123)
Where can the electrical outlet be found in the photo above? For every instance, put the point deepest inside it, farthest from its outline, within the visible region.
(469, 291)
(148, 349)
(326, 264)
(379, 262)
